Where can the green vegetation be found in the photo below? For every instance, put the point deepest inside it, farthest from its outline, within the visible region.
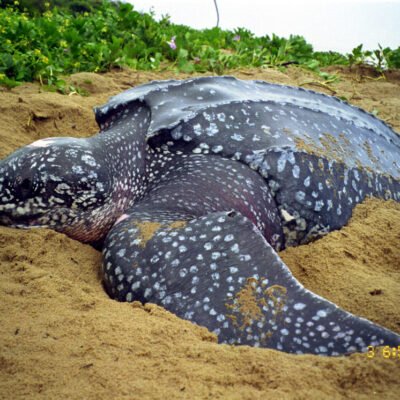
(39, 6)
(44, 41)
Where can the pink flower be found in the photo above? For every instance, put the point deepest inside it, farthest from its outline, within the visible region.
(172, 43)
(236, 38)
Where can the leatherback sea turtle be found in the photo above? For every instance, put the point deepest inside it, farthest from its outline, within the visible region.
(193, 185)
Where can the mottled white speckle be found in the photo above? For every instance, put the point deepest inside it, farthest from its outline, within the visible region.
(299, 306)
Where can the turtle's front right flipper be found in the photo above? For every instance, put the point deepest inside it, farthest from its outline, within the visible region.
(218, 271)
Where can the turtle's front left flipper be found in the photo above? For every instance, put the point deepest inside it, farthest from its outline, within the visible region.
(218, 271)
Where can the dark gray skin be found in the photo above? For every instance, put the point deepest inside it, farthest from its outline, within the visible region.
(193, 186)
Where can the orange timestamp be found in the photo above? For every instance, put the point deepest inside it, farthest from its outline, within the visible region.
(387, 352)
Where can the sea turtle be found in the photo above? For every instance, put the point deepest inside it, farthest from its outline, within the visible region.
(192, 186)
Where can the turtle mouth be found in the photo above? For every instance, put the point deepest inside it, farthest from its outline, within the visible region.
(22, 221)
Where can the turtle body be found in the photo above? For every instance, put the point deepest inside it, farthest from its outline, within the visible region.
(194, 185)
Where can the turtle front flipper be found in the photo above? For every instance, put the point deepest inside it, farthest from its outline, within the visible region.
(219, 272)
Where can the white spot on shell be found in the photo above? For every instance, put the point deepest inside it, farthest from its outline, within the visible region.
(299, 306)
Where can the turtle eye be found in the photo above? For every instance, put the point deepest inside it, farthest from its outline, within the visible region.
(26, 184)
(25, 188)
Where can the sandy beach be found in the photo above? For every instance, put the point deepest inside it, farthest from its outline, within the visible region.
(61, 337)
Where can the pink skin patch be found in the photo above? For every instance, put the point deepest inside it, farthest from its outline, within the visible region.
(121, 218)
(43, 142)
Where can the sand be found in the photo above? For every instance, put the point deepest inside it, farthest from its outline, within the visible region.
(62, 337)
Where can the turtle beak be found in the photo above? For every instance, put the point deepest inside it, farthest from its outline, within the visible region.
(5, 213)
(5, 219)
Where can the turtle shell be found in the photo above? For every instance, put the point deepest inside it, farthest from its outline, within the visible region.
(319, 155)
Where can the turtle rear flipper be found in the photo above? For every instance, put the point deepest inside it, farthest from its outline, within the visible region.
(219, 272)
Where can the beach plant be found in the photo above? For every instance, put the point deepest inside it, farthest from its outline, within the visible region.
(45, 41)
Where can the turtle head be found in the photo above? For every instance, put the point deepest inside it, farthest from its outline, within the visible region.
(59, 183)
